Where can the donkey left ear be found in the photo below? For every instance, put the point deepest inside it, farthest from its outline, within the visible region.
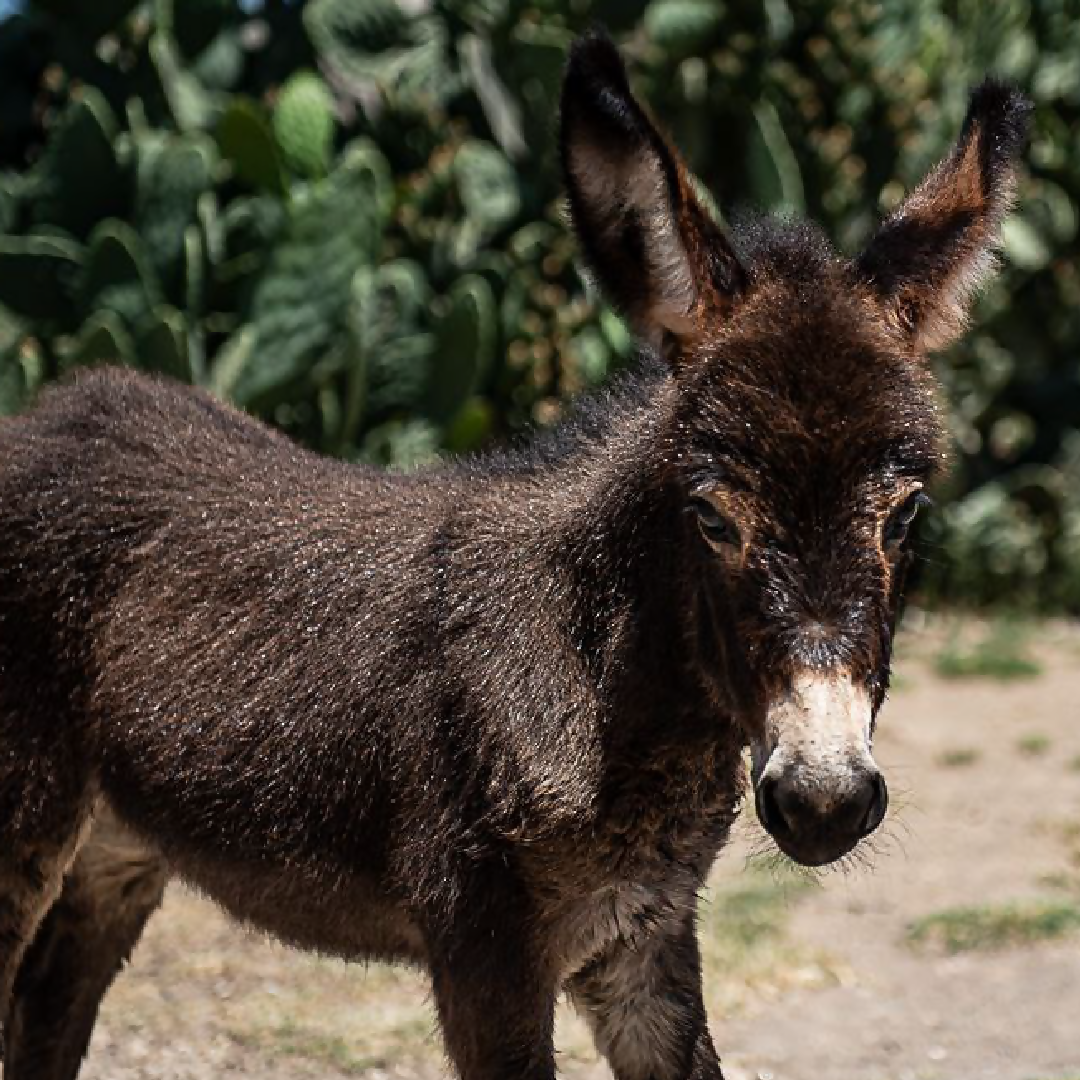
(928, 259)
(657, 254)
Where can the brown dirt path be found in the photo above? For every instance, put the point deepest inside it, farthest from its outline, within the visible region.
(988, 813)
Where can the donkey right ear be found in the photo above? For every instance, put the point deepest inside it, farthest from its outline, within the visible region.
(657, 254)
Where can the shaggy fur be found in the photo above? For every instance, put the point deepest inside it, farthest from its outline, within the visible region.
(486, 718)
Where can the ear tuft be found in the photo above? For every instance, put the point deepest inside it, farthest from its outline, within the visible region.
(1004, 115)
(594, 64)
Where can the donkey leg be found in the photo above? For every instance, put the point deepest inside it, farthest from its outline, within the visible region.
(495, 1000)
(112, 889)
(31, 875)
(45, 803)
(644, 1005)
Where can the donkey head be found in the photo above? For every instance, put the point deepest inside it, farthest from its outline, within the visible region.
(805, 427)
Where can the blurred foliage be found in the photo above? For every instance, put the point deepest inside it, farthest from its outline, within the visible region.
(344, 215)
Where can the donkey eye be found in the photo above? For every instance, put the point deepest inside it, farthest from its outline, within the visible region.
(899, 521)
(716, 528)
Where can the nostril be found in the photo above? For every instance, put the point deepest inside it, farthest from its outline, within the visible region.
(768, 811)
(779, 806)
(877, 805)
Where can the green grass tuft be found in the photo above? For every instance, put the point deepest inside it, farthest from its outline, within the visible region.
(1001, 654)
(958, 758)
(755, 911)
(977, 928)
(1033, 745)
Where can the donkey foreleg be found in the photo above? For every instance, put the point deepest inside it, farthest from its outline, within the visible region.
(643, 1002)
(113, 887)
(493, 991)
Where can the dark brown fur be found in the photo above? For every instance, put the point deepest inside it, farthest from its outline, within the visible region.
(487, 718)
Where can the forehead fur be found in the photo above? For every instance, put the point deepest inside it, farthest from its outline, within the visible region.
(807, 379)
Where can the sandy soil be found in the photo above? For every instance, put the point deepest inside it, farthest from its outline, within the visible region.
(986, 783)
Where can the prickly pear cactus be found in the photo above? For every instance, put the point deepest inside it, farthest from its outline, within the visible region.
(465, 339)
(300, 301)
(304, 124)
(345, 214)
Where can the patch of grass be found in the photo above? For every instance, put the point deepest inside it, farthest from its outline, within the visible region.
(288, 1040)
(958, 758)
(754, 910)
(745, 944)
(1033, 745)
(1074, 764)
(970, 929)
(1058, 881)
(1001, 654)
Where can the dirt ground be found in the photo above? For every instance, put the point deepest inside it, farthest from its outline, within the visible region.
(806, 980)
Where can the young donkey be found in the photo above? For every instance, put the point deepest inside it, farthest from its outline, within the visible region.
(486, 718)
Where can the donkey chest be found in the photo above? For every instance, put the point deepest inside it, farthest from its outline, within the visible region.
(640, 878)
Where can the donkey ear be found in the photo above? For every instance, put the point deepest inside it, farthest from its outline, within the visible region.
(657, 254)
(928, 259)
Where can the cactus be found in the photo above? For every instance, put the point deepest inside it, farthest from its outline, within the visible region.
(163, 344)
(118, 276)
(487, 185)
(192, 107)
(365, 41)
(38, 277)
(398, 348)
(301, 300)
(247, 143)
(684, 27)
(304, 124)
(103, 339)
(464, 345)
(79, 180)
(405, 443)
(173, 175)
(346, 294)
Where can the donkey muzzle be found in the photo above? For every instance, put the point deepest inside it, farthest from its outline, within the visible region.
(818, 791)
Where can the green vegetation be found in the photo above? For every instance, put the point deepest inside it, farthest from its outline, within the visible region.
(975, 928)
(751, 912)
(1033, 745)
(1000, 653)
(960, 758)
(344, 216)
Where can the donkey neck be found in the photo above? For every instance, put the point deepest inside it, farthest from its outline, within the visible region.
(615, 536)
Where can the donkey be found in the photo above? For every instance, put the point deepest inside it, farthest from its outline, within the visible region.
(488, 717)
